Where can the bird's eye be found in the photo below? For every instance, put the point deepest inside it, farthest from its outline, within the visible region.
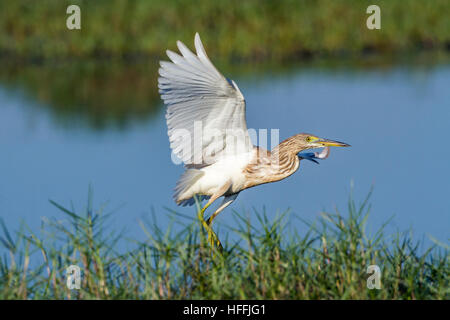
(308, 139)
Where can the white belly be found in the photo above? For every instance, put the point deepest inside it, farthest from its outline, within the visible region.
(219, 173)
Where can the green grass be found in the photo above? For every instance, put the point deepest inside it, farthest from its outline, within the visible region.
(262, 259)
(232, 30)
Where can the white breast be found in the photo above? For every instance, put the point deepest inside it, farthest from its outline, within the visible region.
(229, 168)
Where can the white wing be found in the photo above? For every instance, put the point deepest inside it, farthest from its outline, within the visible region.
(205, 111)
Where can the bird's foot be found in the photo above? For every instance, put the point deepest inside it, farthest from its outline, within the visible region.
(202, 219)
(213, 240)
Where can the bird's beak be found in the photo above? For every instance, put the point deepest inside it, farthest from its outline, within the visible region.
(331, 143)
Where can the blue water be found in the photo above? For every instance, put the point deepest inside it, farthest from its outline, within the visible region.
(396, 120)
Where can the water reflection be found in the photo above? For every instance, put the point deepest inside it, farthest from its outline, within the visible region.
(94, 93)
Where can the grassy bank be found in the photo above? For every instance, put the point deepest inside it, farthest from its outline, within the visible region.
(232, 30)
(265, 260)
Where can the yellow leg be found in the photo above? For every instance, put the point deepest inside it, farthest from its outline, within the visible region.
(213, 240)
(200, 216)
(225, 203)
(210, 219)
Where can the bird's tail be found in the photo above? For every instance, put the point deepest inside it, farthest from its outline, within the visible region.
(182, 196)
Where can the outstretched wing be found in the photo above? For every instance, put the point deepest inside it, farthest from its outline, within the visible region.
(205, 111)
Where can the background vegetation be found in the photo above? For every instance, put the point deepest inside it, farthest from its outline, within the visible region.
(252, 29)
(261, 260)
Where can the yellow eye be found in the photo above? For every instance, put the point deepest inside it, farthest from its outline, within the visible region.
(308, 139)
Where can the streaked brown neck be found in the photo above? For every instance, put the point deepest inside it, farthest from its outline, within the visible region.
(275, 165)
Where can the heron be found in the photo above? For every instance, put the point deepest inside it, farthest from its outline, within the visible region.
(207, 130)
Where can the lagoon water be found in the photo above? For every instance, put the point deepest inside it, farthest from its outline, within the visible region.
(397, 121)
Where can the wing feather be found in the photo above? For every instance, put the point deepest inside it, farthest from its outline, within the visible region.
(197, 94)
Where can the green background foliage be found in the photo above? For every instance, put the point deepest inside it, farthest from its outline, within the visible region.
(252, 29)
